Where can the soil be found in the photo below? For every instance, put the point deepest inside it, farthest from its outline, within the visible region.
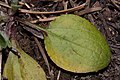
(106, 19)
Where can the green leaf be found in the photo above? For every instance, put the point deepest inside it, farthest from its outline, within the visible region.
(12, 68)
(4, 40)
(14, 5)
(30, 69)
(75, 45)
(23, 68)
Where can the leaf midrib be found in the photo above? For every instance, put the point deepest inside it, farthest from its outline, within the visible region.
(69, 41)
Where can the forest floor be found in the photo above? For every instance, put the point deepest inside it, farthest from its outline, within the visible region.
(104, 14)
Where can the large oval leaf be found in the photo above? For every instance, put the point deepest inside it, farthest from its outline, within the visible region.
(75, 45)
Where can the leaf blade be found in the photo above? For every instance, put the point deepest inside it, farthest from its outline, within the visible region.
(23, 68)
(33, 71)
(12, 68)
(69, 44)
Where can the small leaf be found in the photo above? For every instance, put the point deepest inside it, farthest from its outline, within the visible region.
(23, 68)
(12, 68)
(75, 45)
(4, 40)
(14, 5)
(30, 69)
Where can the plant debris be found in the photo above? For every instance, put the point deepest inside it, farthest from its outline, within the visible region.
(104, 14)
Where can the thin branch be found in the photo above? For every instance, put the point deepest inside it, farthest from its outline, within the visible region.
(4, 4)
(43, 54)
(89, 10)
(55, 12)
(48, 19)
(58, 76)
(43, 20)
(116, 3)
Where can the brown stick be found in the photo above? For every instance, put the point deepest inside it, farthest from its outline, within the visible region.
(43, 54)
(88, 10)
(4, 4)
(62, 11)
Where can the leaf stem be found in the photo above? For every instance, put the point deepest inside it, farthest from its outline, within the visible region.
(33, 26)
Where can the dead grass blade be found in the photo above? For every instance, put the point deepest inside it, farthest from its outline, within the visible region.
(4, 4)
(43, 54)
(89, 10)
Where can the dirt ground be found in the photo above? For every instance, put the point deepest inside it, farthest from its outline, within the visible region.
(104, 14)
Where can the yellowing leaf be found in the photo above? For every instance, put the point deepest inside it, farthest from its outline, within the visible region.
(75, 45)
(30, 69)
(23, 68)
(12, 68)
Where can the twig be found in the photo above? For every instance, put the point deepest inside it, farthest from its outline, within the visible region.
(58, 76)
(27, 5)
(72, 3)
(88, 3)
(47, 19)
(115, 3)
(21, 3)
(43, 54)
(89, 10)
(44, 20)
(62, 11)
(6, 1)
(4, 4)
(65, 5)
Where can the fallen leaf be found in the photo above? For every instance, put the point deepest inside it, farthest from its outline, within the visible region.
(12, 68)
(76, 45)
(23, 68)
(30, 69)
